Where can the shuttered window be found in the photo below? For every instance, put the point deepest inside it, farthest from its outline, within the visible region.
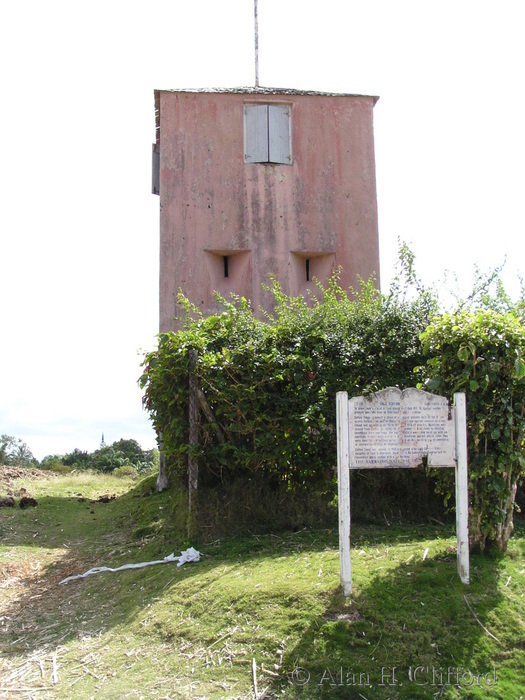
(155, 169)
(267, 134)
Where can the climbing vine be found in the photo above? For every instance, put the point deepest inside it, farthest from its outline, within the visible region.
(482, 354)
(266, 389)
(269, 386)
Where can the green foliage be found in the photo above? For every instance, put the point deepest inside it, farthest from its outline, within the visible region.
(488, 292)
(130, 450)
(77, 459)
(482, 354)
(15, 451)
(271, 385)
(122, 453)
(126, 471)
(55, 464)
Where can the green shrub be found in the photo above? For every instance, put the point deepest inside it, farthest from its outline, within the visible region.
(126, 470)
(270, 386)
(270, 389)
(59, 468)
(482, 354)
(51, 462)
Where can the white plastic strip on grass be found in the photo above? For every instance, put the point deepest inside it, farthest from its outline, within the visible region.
(186, 556)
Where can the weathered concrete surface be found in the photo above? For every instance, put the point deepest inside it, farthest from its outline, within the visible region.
(268, 219)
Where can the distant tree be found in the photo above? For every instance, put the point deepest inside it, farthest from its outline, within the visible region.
(15, 451)
(130, 449)
(124, 453)
(152, 460)
(55, 463)
(78, 459)
(106, 459)
(51, 461)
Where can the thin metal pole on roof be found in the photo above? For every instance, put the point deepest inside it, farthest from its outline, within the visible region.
(256, 18)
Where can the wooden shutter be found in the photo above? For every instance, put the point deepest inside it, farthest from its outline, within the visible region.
(155, 169)
(279, 134)
(256, 133)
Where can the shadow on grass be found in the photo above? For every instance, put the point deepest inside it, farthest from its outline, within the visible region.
(66, 536)
(414, 632)
(76, 536)
(413, 615)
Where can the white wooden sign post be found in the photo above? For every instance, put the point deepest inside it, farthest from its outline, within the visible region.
(394, 429)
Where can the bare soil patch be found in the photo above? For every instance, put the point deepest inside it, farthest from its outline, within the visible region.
(10, 475)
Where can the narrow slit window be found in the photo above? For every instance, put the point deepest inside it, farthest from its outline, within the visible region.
(307, 269)
(225, 261)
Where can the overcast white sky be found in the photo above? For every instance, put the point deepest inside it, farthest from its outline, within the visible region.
(79, 227)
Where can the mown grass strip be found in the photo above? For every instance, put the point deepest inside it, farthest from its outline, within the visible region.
(266, 602)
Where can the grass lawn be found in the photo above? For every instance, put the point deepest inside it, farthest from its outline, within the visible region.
(257, 617)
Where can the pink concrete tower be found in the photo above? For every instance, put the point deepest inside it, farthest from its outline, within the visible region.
(256, 182)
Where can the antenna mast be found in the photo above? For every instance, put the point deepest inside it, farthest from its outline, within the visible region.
(256, 19)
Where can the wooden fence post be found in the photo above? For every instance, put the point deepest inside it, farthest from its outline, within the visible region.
(343, 491)
(193, 419)
(162, 479)
(460, 418)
